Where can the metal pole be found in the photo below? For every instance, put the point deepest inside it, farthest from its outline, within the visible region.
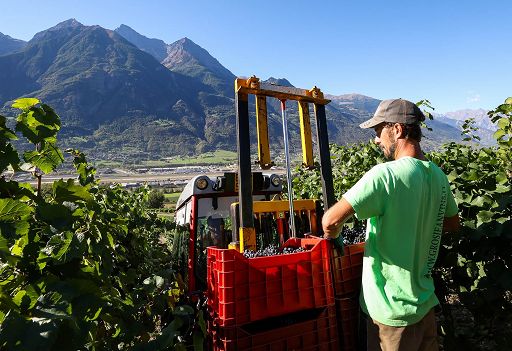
(247, 238)
(325, 156)
(288, 169)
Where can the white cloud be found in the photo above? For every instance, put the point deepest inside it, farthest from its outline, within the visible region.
(472, 97)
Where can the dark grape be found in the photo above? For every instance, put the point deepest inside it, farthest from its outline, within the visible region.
(353, 235)
(272, 250)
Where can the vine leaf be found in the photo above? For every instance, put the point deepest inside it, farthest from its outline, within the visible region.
(38, 124)
(25, 103)
(6, 133)
(69, 191)
(47, 159)
(8, 156)
(484, 217)
(12, 210)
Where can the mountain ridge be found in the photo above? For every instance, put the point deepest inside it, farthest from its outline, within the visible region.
(155, 47)
(114, 95)
(9, 45)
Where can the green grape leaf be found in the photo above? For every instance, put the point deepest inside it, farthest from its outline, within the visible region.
(22, 227)
(6, 133)
(480, 201)
(501, 178)
(47, 160)
(16, 190)
(503, 123)
(452, 176)
(69, 191)
(58, 245)
(59, 216)
(36, 126)
(501, 188)
(47, 116)
(499, 133)
(25, 103)
(4, 244)
(12, 210)
(8, 157)
(484, 217)
(12, 230)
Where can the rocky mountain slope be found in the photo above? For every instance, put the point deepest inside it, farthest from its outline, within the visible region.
(122, 95)
(10, 45)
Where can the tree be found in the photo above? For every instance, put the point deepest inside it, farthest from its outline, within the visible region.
(156, 199)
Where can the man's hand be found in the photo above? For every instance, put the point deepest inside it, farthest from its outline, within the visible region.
(333, 218)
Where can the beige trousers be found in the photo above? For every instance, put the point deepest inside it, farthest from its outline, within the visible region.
(421, 336)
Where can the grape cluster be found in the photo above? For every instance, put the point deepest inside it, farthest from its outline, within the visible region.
(353, 235)
(272, 250)
(290, 250)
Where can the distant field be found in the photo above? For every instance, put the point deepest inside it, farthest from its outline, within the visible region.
(169, 205)
(218, 157)
(172, 198)
(107, 164)
(167, 215)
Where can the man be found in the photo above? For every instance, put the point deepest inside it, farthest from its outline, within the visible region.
(408, 204)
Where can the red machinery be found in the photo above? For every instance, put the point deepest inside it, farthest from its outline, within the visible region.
(303, 300)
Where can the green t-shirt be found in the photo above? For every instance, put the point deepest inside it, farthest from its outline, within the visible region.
(405, 202)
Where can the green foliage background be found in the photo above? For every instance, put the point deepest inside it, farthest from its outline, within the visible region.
(84, 266)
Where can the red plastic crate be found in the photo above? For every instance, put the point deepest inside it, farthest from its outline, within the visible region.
(348, 317)
(314, 334)
(242, 290)
(347, 270)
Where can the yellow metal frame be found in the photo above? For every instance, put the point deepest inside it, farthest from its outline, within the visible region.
(305, 135)
(283, 205)
(302, 96)
(247, 238)
(262, 132)
(247, 209)
(255, 87)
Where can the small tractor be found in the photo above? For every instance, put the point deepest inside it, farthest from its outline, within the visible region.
(271, 281)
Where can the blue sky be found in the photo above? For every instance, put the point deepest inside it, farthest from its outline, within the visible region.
(457, 54)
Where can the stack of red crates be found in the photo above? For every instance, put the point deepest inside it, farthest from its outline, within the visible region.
(347, 272)
(283, 302)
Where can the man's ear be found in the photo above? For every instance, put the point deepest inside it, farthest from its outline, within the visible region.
(399, 130)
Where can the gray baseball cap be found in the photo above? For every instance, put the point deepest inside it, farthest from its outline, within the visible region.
(397, 111)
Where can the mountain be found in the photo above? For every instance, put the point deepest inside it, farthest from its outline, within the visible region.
(90, 72)
(183, 56)
(482, 120)
(186, 57)
(279, 81)
(118, 100)
(484, 125)
(356, 108)
(355, 102)
(10, 45)
(94, 77)
(155, 47)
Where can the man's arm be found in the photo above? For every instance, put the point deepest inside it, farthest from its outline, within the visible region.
(333, 218)
(451, 224)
